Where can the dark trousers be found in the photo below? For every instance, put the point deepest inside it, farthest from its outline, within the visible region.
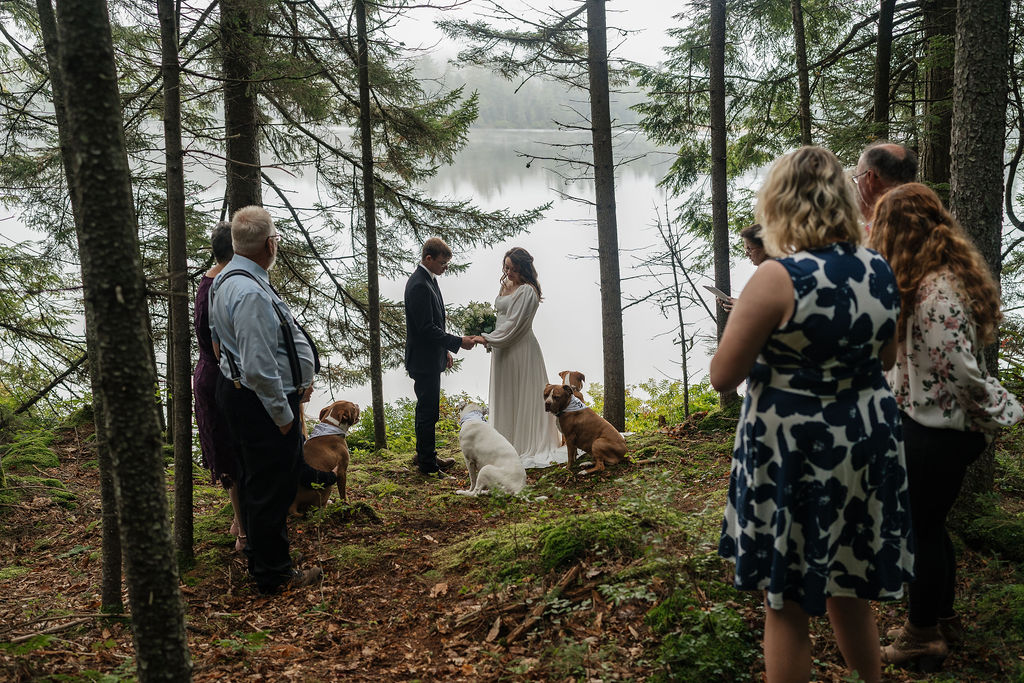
(937, 460)
(269, 463)
(428, 410)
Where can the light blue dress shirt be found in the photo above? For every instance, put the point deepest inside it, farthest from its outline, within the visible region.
(243, 323)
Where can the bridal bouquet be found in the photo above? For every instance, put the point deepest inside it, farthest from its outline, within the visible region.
(475, 319)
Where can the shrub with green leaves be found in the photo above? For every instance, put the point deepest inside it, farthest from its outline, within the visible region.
(646, 401)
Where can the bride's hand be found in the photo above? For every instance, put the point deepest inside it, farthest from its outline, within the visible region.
(480, 340)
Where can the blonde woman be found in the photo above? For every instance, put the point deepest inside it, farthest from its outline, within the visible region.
(948, 401)
(817, 510)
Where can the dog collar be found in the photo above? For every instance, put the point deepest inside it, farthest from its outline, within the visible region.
(575, 405)
(336, 429)
(472, 416)
(330, 419)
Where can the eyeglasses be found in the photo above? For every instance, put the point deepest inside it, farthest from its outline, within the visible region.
(855, 177)
(275, 238)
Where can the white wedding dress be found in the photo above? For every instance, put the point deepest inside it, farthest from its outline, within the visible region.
(518, 376)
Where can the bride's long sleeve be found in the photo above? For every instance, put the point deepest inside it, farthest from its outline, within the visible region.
(519, 320)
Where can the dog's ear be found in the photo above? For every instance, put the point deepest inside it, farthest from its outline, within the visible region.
(325, 412)
(355, 414)
(568, 389)
(562, 374)
(582, 378)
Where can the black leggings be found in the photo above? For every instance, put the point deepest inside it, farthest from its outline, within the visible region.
(937, 460)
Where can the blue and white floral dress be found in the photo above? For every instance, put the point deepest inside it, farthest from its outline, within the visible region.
(818, 503)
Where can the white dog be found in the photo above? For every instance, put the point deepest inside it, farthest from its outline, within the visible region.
(491, 460)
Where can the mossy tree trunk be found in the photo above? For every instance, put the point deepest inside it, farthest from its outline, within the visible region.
(380, 438)
(177, 266)
(238, 19)
(110, 583)
(115, 302)
(976, 172)
(607, 226)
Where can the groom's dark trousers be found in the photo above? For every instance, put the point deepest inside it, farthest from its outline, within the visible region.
(426, 357)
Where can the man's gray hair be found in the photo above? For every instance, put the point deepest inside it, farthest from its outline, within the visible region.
(250, 228)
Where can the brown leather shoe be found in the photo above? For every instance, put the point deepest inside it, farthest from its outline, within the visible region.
(918, 648)
(950, 628)
(445, 464)
(303, 578)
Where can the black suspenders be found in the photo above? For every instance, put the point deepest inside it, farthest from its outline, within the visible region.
(286, 331)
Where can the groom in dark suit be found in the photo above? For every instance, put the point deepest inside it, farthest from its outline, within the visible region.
(428, 349)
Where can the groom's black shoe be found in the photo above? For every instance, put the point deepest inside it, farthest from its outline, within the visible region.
(439, 465)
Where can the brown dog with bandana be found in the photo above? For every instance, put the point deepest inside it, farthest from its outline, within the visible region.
(327, 450)
(584, 429)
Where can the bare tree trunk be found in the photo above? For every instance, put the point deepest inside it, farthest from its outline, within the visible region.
(883, 60)
(380, 439)
(719, 187)
(115, 300)
(177, 266)
(241, 112)
(939, 36)
(976, 173)
(801, 69)
(110, 583)
(607, 230)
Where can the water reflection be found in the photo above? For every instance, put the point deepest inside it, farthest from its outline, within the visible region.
(493, 160)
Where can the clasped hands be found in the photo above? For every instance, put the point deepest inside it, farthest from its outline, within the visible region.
(469, 342)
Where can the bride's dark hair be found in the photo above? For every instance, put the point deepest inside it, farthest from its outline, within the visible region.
(523, 264)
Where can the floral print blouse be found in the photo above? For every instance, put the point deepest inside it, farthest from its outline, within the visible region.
(939, 378)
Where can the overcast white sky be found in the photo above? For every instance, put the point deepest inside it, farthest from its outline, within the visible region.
(647, 21)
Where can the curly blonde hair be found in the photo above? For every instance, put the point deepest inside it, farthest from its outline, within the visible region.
(918, 236)
(807, 202)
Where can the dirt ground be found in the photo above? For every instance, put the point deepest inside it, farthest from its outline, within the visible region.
(388, 608)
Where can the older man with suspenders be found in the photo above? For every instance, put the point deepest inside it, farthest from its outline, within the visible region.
(266, 363)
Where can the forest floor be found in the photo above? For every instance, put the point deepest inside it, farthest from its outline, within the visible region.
(422, 584)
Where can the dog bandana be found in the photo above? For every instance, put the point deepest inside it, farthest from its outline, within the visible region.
(575, 405)
(472, 416)
(324, 429)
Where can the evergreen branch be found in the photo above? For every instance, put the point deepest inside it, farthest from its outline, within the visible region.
(56, 380)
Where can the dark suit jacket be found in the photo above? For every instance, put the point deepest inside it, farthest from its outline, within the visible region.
(426, 342)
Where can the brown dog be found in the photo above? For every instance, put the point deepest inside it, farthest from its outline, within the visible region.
(327, 452)
(574, 379)
(584, 429)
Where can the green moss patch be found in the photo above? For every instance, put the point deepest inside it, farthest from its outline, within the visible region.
(1001, 533)
(29, 450)
(13, 572)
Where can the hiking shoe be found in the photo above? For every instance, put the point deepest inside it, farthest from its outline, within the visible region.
(952, 630)
(918, 648)
(303, 578)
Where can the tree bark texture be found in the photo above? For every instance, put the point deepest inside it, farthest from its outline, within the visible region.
(380, 439)
(719, 186)
(607, 229)
(976, 169)
(238, 20)
(110, 583)
(939, 36)
(883, 65)
(115, 301)
(177, 267)
(801, 69)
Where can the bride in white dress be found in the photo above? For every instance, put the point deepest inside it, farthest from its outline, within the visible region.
(518, 373)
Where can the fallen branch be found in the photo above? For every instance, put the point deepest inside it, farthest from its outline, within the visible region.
(537, 611)
(53, 629)
(78, 616)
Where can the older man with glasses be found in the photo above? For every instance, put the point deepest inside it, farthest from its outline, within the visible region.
(882, 166)
(266, 363)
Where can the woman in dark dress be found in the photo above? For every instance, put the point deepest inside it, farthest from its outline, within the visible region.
(218, 453)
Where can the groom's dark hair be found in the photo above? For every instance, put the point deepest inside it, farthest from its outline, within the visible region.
(435, 247)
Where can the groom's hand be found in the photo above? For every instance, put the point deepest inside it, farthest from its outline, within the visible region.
(451, 361)
(468, 343)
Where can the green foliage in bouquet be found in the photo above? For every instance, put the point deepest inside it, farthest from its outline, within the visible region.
(474, 318)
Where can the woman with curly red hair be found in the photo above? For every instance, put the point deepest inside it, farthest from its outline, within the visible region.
(949, 404)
